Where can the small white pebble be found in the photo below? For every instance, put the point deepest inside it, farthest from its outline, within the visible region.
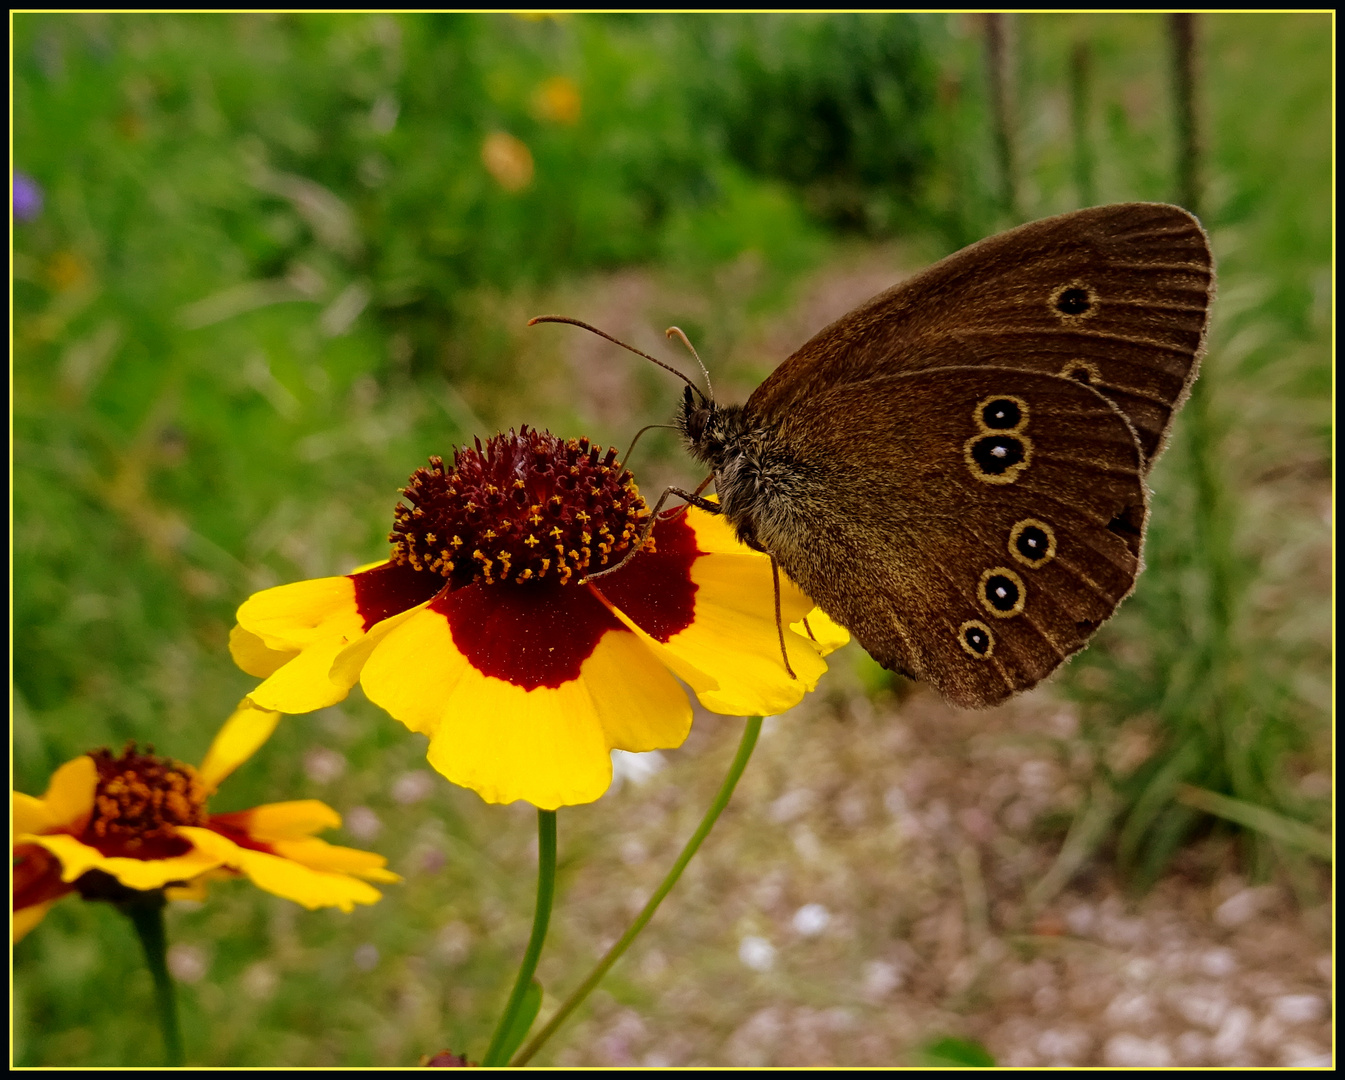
(1067, 1046)
(260, 981)
(1193, 1048)
(187, 963)
(1130, 1051)
(1036, 775)
(633, 851)
(322, 765)
(1218, 963)
(1206, 1008)
(453, 942)
(1065, 724)
(1305, 1056)
(811, 919)
(790, 805)
(1130, 1009)
(1298, 1008)
(756, 953)
(413, 787)
(852, 809)
(880, 978)
(1081, 919)
(1244, 905)
(1270, 1032)
(638, 769)
(806, 844)
(1140, 969)
(362, 823)
(1233, 1034)
(894, 801)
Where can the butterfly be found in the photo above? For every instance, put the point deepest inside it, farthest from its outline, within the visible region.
(955, 470)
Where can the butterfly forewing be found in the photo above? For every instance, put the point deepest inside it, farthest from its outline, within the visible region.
(983, 541)
(1116, 297)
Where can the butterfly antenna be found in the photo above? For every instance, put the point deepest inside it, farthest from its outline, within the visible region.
(676, 331)
(647, 427)
(614, 341)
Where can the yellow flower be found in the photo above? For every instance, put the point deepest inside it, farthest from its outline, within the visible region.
(558, 100)
(139, 821)
(481, 632)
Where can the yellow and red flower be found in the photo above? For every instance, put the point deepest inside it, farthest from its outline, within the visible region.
(482, 632)
(138, 821)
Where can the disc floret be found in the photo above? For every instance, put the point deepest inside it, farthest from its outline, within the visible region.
(525, 507)
(140, 800)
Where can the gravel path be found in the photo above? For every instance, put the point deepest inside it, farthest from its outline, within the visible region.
(864, 895)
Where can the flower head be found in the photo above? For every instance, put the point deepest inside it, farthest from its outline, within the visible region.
(111, 825)
(482, 632)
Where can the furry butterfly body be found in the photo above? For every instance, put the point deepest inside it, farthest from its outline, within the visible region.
(954, 471)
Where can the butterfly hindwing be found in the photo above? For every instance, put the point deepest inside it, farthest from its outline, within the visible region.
(971, 526)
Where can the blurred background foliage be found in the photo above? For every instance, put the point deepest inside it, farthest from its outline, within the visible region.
(280, 259)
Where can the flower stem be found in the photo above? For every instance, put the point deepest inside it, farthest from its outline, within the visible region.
(147, 917)
(546, 891)
(721, 800)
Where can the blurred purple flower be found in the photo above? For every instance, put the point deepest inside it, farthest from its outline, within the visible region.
(27, 197)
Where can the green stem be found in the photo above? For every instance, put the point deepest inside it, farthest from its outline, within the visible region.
(147, 918)
(749, 740)
(546, 892)
(1001, 109)
(1081, 100)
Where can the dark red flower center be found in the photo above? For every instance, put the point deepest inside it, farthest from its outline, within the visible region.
(525, 507)
(500, 541)
(540, 633)
(139, 802)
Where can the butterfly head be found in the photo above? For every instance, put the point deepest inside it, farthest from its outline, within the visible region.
(701, 422)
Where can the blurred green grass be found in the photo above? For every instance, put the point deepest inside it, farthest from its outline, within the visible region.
(269, 279)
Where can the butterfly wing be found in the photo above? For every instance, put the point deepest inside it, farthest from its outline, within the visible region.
(971, 526)
(1116, 296)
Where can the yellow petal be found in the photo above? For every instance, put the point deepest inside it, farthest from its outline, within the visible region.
(730, 654)
(252, 655)
(67, 803)
(27, 918)
(818, 627)
(346, 668)
(547, 746)
(240, 737)
(278, 875)
(77, 858)
(297, 615)
(288, 820)
(638, 702)
(715, 536)
(28, 814)
(304, 684)
(319, 855)
(414, 671)
(196, 890)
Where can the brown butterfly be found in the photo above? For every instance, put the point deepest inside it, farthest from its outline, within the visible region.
(954, 471)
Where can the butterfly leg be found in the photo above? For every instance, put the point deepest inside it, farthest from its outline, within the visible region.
(691, 498)
(779, 623)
